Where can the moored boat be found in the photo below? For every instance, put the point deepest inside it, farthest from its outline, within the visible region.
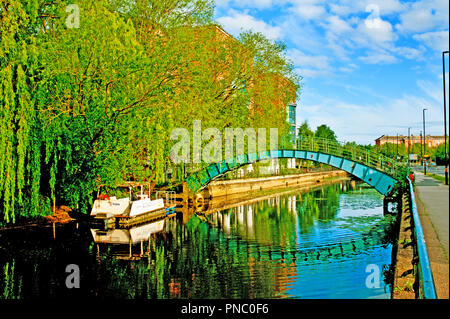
(131, 210)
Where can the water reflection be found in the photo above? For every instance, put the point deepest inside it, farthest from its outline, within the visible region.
(308, 244)
(124, 239)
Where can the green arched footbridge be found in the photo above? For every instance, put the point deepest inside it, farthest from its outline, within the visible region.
(371, 167)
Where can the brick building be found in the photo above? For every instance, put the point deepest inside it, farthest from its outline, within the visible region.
(431, 140)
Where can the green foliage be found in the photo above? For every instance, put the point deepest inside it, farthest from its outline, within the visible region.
(19, 147)
(323, 131)
(390, 225)
(96, 104)
(304, 130)
(439, 154)
(401, 174)
(272, 84)
(392, 150)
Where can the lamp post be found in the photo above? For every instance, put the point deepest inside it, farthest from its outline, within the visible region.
(396, 158)
(409, 139)
(421, 145)
(424, 141)
(445, 119)
(409, 143)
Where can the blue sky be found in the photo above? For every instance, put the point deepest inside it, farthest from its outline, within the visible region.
(369, 67)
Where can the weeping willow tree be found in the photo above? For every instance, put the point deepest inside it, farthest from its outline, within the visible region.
(87, 105)
(98, 76)
(95, 104)
(20, 135)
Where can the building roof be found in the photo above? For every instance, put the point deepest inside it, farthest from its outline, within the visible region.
(394, 137)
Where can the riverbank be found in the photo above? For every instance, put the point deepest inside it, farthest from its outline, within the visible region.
(59, 217)
(403, 255)
(228, 188)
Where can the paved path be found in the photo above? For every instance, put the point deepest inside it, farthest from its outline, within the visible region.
(438, 170)
(433, 205)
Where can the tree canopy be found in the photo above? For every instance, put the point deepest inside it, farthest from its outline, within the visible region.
(95, 104)
(304, 130)
(323, 131)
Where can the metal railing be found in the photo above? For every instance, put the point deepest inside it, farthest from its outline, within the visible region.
(168, 196)
(359, 154)
(422, 268)
(353, 152)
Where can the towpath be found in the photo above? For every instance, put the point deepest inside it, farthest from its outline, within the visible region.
(433, 205)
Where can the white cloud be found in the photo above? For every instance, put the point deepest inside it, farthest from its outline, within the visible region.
(364, 123)
(410, 53)
(347, 7)
(237, 22)
(309, 66)
(332, 41)
(424, 16)
(348, 36)
(431, 89)
(378, 31)
(434, 87)
(339, 35)
(304, 36)
(252, 4)
(308, 9)
(337, 47)
(348, 68)
(257, 4)
(301, 59)
(222, 3)
(378, 58)
(338, 25)
(311, 73)
(437, 40)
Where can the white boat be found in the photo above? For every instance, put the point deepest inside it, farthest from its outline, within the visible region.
(116, 239)
(127, 211)
(133, 235)
(125, 207)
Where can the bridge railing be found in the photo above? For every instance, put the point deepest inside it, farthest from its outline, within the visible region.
(355, 153)
(422, 268)
(206, 172)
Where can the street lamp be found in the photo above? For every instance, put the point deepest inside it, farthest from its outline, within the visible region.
(409, 139)
(445, 119)
(409, 143)
(421, 146)
(424, 141)
(397, 149)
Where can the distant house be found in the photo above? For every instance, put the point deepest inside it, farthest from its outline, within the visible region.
(431, 140)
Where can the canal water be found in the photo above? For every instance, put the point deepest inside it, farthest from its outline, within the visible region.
(331, 242)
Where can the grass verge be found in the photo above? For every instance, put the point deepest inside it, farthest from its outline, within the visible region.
(437, 177)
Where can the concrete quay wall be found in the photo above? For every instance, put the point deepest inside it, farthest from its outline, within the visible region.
(240, 186)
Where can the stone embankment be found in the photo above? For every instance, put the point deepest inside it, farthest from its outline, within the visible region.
(403, 255)
(249, 185)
